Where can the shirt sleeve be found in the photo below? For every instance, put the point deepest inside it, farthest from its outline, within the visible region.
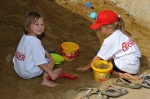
(106, 50)
(38, 52)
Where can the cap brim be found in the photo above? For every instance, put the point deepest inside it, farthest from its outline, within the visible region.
(95, 26)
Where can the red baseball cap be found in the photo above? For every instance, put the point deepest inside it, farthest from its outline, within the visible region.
(103, 18)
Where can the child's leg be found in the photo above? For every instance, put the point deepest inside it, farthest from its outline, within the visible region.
(51, 64)
(126, 75)
(58, 71)
(47, 82)
(123, 74)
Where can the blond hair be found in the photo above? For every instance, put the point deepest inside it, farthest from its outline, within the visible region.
(31, 17)
(118, 25)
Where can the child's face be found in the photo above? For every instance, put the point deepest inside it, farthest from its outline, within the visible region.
(37, 28)
(105, 30)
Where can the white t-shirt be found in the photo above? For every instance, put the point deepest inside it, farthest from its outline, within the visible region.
(123, 50)
(29, 54)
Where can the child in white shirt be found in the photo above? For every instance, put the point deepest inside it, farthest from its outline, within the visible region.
(31, 59)
(117, 47)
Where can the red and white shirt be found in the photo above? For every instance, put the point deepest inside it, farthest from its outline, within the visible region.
(123, 50)
(29, 54)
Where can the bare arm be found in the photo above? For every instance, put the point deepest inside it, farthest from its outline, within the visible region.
(47, 54)
(94, 59)
(88, 66)
(48, 68)
(45, 68)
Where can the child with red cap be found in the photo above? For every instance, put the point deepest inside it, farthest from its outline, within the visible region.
(117, 47)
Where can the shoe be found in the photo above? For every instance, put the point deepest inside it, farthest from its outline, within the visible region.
(126, 83)
(88, 92)
(114, 92)
(146, 84)
(146, 80)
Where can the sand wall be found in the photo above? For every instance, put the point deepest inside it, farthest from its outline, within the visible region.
(134, 22)
(138, 8)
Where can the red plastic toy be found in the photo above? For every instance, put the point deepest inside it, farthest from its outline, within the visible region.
(72, 77)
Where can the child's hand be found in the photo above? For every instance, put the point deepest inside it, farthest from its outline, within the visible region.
(53, 75)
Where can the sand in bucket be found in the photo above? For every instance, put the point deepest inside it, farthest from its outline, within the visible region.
(69, 50)
(101, 70)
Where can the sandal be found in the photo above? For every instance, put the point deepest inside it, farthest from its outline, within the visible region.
(92, 91)
(146, 80)
(114, 92)
(88, 92)
(126, 83)
(99, 95)
(145, 76)
(146, 83)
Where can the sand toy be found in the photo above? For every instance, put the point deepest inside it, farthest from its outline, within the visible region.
(89, 5)
(93, 15)
(72, 77)
(101, 70)
(58, 59)
(69, 50)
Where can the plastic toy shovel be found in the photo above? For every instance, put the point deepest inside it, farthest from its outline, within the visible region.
(72, 77)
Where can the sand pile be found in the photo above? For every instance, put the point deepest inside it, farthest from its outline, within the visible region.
(66, 20)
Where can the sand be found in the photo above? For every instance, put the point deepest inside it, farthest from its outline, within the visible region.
(65, 21)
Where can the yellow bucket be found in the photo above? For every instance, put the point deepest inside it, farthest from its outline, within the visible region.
(69, 50)
(101, 75)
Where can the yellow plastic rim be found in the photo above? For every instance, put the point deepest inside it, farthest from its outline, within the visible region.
(70, 46)
(96, 63)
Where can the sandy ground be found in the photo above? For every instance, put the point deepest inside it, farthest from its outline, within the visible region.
(65, 21)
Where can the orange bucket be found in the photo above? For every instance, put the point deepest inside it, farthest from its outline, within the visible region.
(69, 50)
